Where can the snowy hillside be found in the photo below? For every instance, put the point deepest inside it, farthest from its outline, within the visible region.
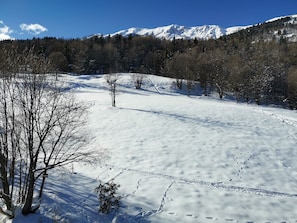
(177, 159)
(281, 17)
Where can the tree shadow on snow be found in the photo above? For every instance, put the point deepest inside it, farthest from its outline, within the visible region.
(203, 121)
(71, 198)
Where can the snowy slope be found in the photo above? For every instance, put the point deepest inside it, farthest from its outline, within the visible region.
(178, 159)
(281, 17)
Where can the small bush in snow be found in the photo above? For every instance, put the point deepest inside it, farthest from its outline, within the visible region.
(108, 198)
(138, 80)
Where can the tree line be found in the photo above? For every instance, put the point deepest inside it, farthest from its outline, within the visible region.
(256, 65)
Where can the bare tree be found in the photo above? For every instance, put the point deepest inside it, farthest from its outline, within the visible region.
(9, 131)
(138, 80)
(292, 88)
(40, 129)
(175, 67)
(9, 144)
(58, 62)
(51, 123)
(111, 79)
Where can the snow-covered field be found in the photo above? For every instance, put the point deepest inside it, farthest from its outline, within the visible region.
(177, 159)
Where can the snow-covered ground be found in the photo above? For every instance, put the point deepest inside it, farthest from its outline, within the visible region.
(177, 159)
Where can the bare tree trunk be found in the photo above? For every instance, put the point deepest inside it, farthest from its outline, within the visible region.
(5, 184)
(27, 208)
(113, 94)
(205, 88)
(42, 185)
(111, 79)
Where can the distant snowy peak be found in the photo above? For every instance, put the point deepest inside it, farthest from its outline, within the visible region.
(199, 32)
(182, 32)
(177, 31)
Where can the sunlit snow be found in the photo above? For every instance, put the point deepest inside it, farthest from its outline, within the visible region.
(177, 158)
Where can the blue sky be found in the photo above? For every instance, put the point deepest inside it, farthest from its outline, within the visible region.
(22, 19)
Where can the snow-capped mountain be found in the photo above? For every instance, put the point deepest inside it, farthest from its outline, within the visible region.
(176, 31)
(207, 31)
(181, 32)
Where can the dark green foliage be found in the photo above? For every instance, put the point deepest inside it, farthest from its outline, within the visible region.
(108, 198)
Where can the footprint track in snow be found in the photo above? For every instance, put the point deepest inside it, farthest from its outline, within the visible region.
(163, 201)
(241, 164)
(216, 185)
(281, 118)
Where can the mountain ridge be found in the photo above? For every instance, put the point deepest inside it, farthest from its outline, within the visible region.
(175, 31)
